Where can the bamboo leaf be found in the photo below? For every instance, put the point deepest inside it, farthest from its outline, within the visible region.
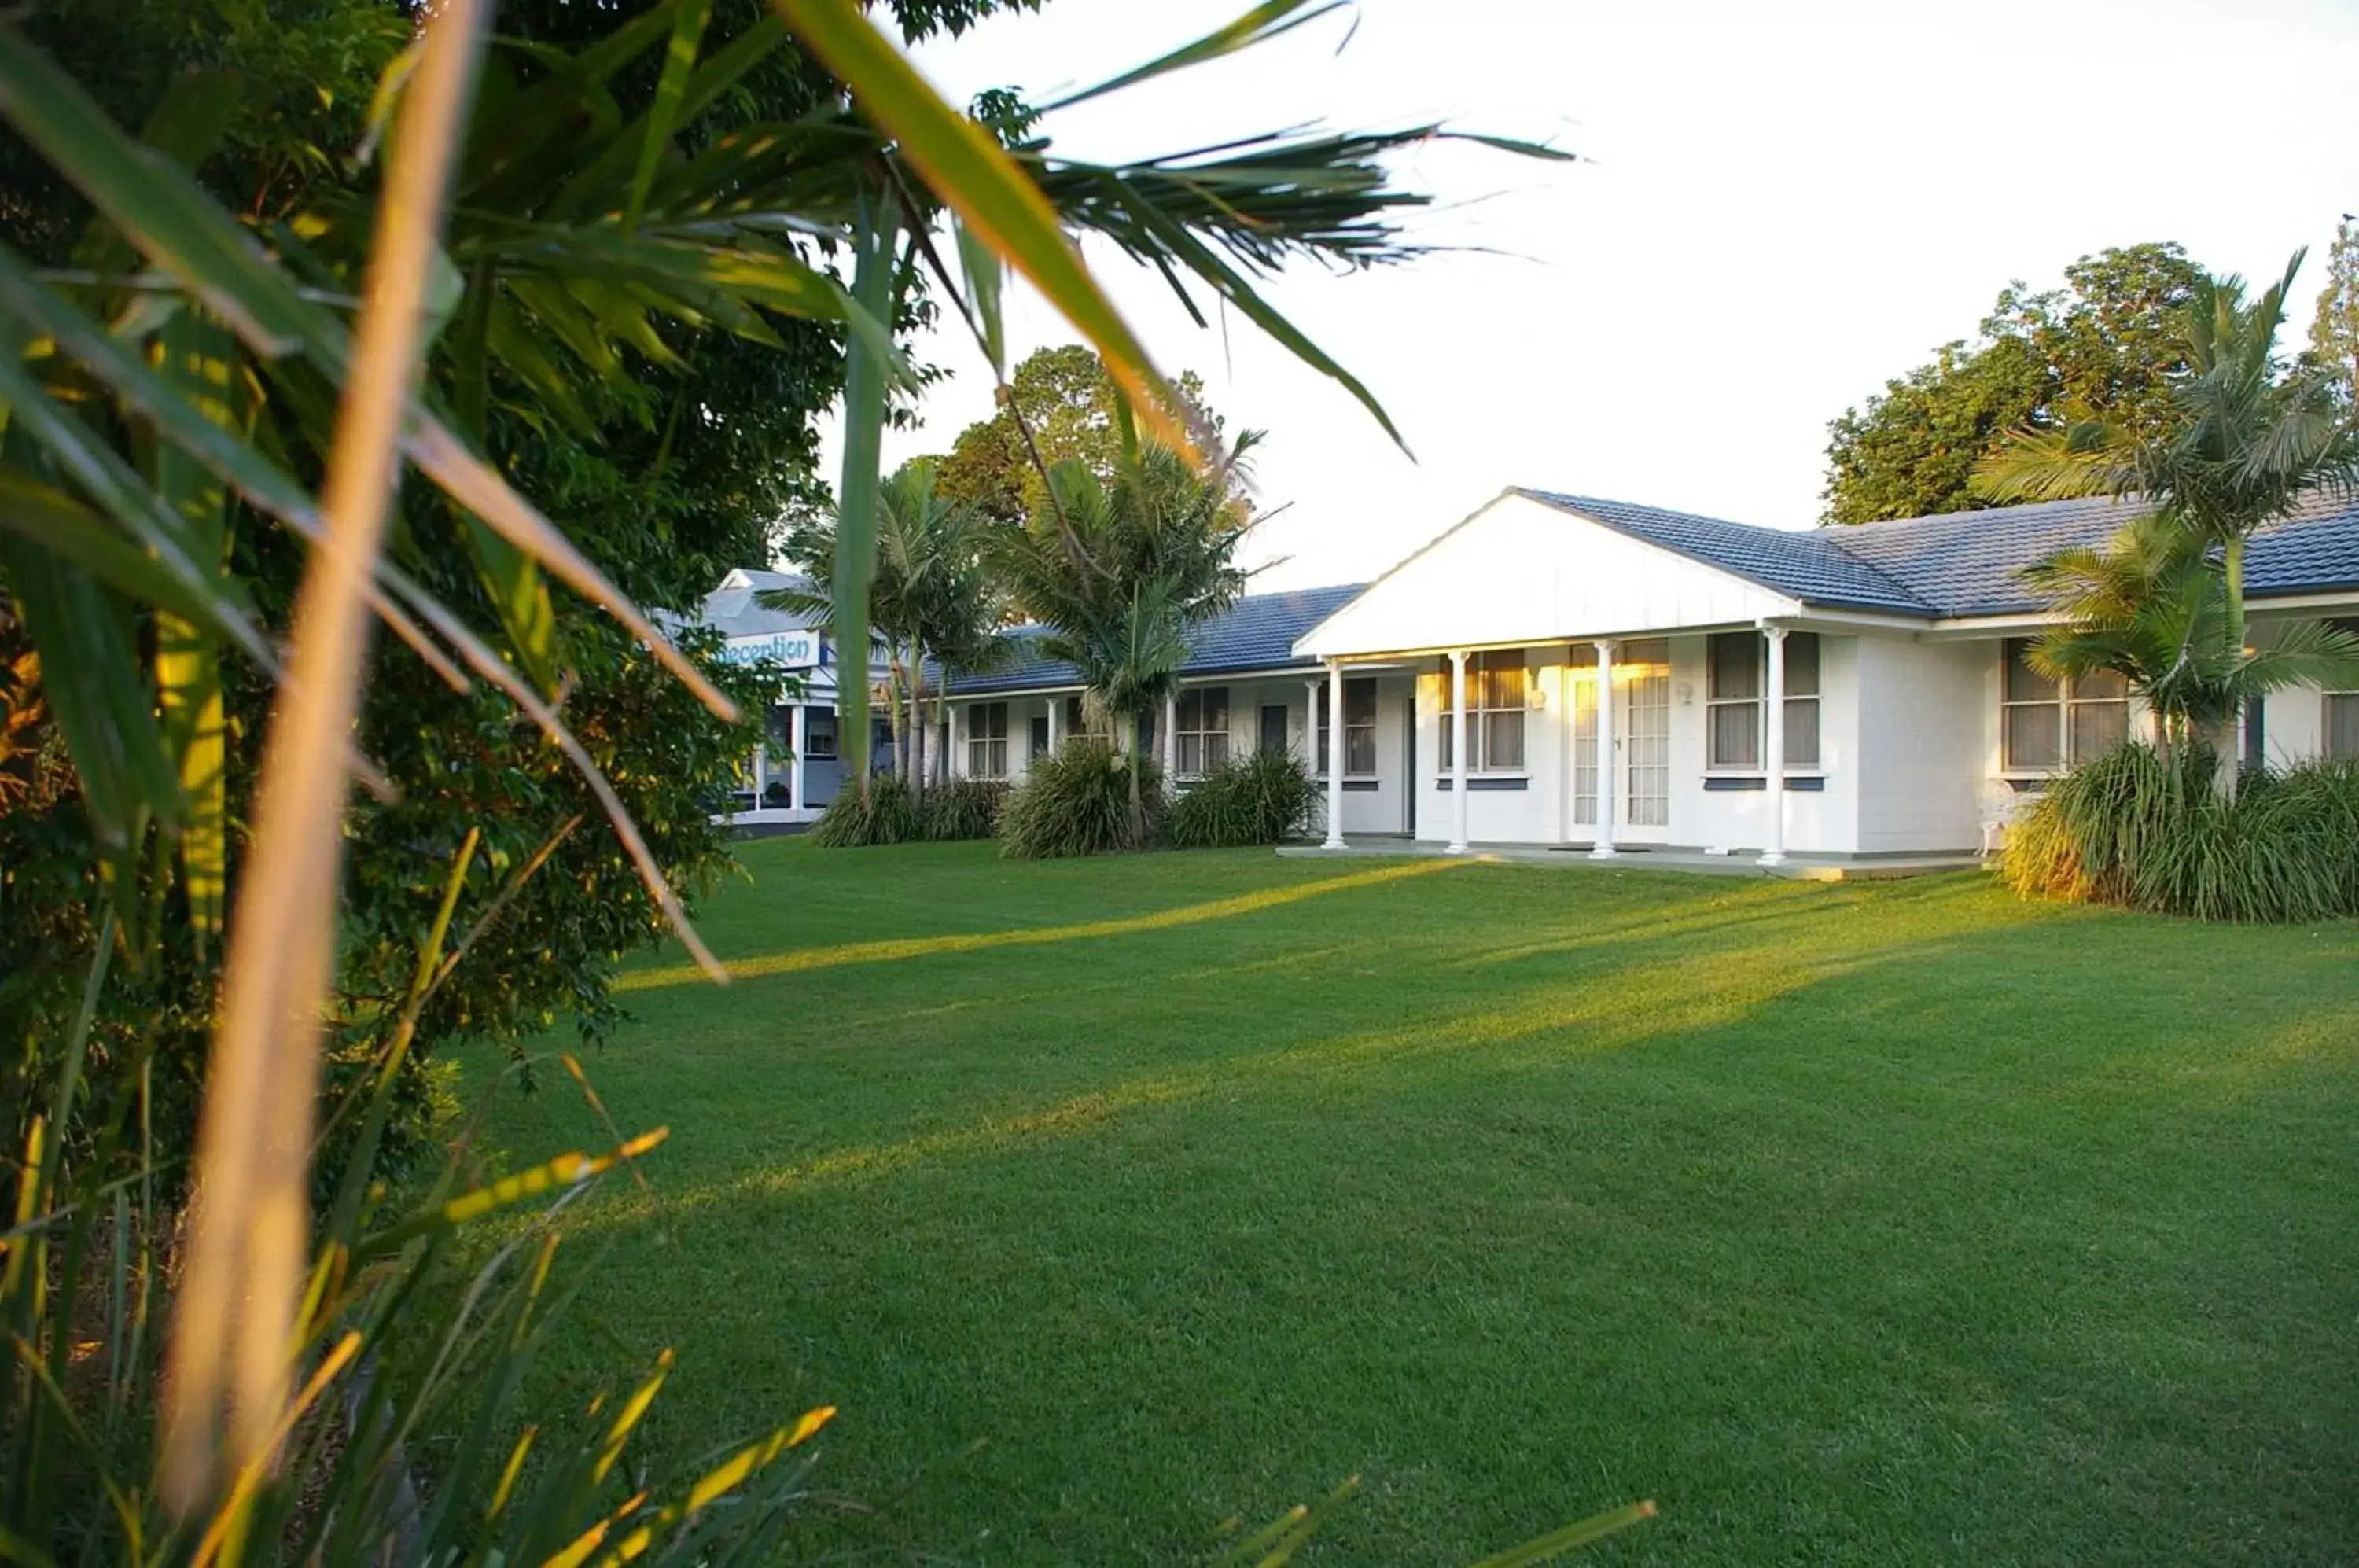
(975, 177)
(689, 18)
(1258, 25)
(566, 1171)
(197, 354)
(857, 498)
(985, 275)
(1557, 1543)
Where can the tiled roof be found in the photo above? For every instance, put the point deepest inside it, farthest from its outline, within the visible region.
(1256, 633)
(731, 609)
(1969, 563)
(1805, 565)
(1965, 563)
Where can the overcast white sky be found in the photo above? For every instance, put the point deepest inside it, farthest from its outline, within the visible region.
(1782, 207)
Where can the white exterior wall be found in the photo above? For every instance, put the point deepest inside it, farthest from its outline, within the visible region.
(1820, 820)
(1928, 741)
(2293, 725)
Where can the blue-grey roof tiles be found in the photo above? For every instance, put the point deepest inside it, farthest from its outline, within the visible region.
(1965, 563)
(1256, 633)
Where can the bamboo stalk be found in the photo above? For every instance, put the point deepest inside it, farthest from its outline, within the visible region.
(233, 1331)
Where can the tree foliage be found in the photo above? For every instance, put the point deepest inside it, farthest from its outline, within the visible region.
(1068, 402)
(2334, 329)
(1120, 572)
(2101, 347)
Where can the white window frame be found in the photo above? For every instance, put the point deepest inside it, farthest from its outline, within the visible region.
(1195, 741)
(1798, 702)
(1716, 701)
(986, 740)
(1482, 708)
(1359, 732)
(819, 746)
(2331, 698)
(2067, 701)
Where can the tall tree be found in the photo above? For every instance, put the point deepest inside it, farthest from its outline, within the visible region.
(1063, 398)
(2101, 347)
(1119, 572)
(2335, 330)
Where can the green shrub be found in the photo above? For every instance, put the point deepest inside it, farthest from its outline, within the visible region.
(1266, 797)
(965, 808)
(2133, 829)
(1077, 801)
(888, 814)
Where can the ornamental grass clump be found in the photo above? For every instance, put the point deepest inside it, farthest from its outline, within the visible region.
(965, 808)
(2148, 833)
(1077, 801)
(888, 814)
(1266, 797)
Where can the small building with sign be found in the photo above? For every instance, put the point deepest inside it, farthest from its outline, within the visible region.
(801, 765)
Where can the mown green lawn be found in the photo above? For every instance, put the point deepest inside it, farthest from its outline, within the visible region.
(1872, 1223)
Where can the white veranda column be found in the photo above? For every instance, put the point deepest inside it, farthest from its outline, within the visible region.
(1458, 751)
(1170, 739)
(1334, 756)
(762, 763)
(795, 760)
(1056, 712)
(1310, 724)
(1603, 850)
(1774, 749)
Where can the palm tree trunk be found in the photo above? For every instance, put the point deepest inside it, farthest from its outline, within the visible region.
(2233, 561)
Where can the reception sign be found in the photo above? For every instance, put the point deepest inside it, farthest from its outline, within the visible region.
(795, 649)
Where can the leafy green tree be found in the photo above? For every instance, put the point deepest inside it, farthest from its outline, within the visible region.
(1120, 572)
(1068, 403)
(2247, 437)
(2335, 330)
(2101, 347)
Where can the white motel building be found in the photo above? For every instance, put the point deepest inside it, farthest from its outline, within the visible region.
(1564, 673)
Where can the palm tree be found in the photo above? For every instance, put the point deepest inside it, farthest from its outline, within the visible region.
(933, 598)
(2152, 608)
(2249, 438)
(1120, 573)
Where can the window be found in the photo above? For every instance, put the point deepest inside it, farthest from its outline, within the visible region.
(1496, 688)
(2047, 724)
(1731, 700)
(1359, 728)
(1077, 721)
(2342, 716)
(1201, 727)
(986, 740)
(819, 734)
(1801, 700)
(1735, 667)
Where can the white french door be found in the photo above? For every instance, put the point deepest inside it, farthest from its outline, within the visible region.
(1642, 741)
